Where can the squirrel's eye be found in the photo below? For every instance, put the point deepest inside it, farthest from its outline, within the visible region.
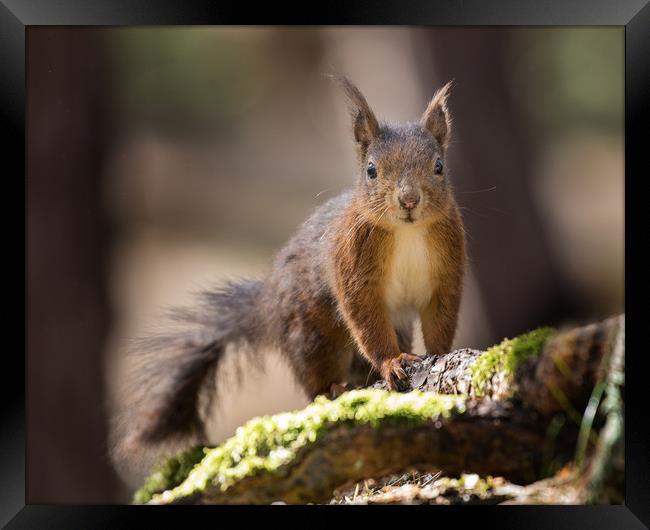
(438, 168)
(372, 170)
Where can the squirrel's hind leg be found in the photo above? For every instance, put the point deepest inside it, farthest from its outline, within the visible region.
(320, 366)
(362, 373)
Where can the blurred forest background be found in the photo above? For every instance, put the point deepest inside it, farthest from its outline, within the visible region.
(164, 160)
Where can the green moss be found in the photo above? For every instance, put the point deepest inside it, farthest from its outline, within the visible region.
(507, 357)
(264, 444)
(168, 474)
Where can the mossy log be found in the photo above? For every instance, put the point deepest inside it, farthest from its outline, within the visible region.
(469, 412)
(594, 478)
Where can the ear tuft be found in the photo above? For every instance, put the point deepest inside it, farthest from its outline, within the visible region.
(436, 118)
(364, 122)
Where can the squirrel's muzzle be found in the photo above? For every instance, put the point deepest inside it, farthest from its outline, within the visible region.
(409, 198)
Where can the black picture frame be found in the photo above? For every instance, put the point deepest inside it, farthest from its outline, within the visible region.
(18, 15)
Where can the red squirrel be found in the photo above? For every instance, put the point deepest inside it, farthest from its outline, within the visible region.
(340, 300)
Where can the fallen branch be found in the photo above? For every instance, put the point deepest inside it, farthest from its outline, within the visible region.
(496, 425)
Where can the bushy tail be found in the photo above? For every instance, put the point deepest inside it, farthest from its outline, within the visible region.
(168, 370)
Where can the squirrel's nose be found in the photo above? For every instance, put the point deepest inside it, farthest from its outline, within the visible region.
(409, 199)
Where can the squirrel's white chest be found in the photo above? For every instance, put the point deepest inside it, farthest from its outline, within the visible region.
(410, 275)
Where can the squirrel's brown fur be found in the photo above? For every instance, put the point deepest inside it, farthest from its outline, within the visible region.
(342, 294)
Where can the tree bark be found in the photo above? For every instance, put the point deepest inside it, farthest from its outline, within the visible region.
(563, 375)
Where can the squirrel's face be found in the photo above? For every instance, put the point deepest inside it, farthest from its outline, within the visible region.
(403, 173)
(403, 176)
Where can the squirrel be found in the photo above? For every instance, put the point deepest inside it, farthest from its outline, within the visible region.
(341, 297)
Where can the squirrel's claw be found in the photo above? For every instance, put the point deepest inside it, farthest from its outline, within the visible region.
(393, 370)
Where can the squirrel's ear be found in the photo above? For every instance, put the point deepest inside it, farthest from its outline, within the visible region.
(364, 123)
(436, 118)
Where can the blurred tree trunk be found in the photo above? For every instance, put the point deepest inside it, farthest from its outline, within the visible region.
(521, 283)
(67, 305)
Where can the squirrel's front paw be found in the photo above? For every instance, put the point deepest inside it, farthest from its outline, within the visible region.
(392, 370)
